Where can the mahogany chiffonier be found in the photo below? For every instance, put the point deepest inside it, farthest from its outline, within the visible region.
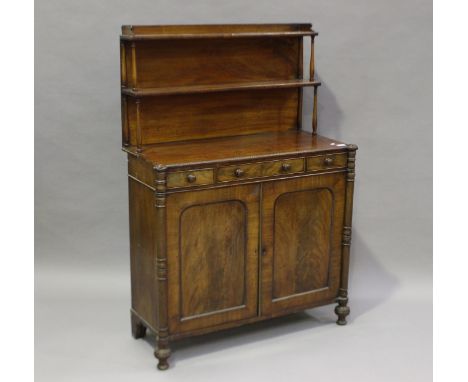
(237, 214)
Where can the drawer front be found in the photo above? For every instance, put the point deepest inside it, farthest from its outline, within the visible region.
(190, 178)
(259, 170)
(239, 172)
(325, 162)
(283, 167)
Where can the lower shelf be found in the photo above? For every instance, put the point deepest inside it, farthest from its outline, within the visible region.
(193, 89)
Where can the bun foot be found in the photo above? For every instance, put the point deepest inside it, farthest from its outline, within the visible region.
(342, 310)
(162, 355)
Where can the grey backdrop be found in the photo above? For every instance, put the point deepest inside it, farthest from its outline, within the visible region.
(375, 60)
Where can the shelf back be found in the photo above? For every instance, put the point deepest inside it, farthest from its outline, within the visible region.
(199, 116)
(163, 63)
(213, 55)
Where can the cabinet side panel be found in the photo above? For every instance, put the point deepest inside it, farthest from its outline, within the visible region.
(141, 213)
(141, 170)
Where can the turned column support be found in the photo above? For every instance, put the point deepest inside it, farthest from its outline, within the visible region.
(123, 83)
(139, 137)
(315, 112)
(123, 66)
(312, 58)
(312, 77)
(134, 66)
(342, 309)
(125, 124)
(162, 352)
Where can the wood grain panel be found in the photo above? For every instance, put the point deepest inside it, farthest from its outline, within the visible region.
(301, 241)
(302, 253)
(212, 257)
(190, 62)
(141, 170)
(183, 117)
(212, 252)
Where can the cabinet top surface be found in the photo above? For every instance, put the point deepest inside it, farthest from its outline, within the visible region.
(238, 148)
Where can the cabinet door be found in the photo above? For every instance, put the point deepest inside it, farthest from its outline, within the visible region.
(301, 235)
(212, 247)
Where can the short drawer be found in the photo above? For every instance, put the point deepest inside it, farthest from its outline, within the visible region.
(238, 172)
(282, 167)
(326, 162)
(190, 178)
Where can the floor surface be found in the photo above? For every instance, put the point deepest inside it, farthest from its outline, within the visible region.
(83, 334)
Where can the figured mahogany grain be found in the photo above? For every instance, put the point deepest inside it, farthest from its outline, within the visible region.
(165, 63)
(212, 251)
(301, 241)
(189, 116)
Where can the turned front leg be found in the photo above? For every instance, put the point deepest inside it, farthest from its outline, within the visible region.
(162, 353)
(342, 309)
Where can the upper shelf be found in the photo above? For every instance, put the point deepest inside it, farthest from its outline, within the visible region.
(158, 32)
(171, 90)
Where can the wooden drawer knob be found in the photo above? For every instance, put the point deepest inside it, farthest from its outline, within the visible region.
(286, 167)
(239, 172)
(191, 178)
(328, 161)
